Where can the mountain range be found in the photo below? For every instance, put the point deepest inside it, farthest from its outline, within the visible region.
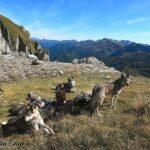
(124, 55)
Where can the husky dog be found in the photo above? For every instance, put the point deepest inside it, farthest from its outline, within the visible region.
(35, 99)
(114, 89)
(40, 102)
(34, 118)
(17, 110)
(13, 125)
(67, 87)
(82, 100)
(60, 97)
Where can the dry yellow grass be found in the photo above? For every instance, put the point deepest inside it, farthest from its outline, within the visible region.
(124, 128)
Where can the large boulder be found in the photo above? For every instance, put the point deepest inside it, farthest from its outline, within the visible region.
(90, 60)
(43, 54)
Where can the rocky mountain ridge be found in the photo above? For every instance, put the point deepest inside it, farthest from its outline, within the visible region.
(123, 55)
(15, 38)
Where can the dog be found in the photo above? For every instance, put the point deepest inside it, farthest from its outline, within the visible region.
(60, 97)
(34, 118)
(82, 100)
(114, 89)
(67, 87)
(35, 99)
(17, 110)
(39, 101)
(15, 125)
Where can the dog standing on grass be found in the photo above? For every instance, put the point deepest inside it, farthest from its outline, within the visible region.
(114, 89)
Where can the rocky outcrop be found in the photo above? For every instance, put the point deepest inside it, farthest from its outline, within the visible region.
(90, 60)
(14, 38)
(43, 54)
(16, 67)
(4, 40)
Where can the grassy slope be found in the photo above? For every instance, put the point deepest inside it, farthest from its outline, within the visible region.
(115, 130)
(15, 30)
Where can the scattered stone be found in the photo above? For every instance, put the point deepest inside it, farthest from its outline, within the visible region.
(90, 60)
(18, 67)
(36, 62)
(31, 56)
(60, 72)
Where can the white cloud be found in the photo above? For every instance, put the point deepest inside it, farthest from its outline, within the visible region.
(138, 20)
(61, 32)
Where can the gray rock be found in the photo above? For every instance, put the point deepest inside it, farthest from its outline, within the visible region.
(36, 62)
(19, 67)
(90, 60)
(4, 40)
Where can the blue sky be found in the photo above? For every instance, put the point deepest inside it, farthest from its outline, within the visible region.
(82, 19)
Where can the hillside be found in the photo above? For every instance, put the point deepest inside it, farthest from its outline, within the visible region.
(16, 37)
(123, 55)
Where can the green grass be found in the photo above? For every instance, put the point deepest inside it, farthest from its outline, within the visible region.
(122, 128)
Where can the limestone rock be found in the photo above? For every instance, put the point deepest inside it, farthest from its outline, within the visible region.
(90, 60)
(4, 40)
(43, 54)
(14, 38)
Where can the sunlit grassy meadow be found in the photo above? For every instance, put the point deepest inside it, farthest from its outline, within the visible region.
(127, 127)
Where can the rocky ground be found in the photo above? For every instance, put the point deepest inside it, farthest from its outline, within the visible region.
(126, 127)
(19, 67)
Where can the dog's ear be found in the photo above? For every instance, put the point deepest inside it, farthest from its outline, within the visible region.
(34, 107)
(127, 75)
(122, 76)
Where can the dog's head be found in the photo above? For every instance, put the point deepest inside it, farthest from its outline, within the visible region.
(59, 87)
(32, 96)
(125, 80)
(30, 111)
(71, 81)
(35, 99)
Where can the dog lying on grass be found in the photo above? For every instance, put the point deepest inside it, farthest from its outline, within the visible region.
(34, 118)
(67, 87)
(30, 121)
(14, 125)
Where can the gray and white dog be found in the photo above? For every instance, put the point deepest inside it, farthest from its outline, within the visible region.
(34, 118)
(30, 121)
(114, 89)
(33, 99)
